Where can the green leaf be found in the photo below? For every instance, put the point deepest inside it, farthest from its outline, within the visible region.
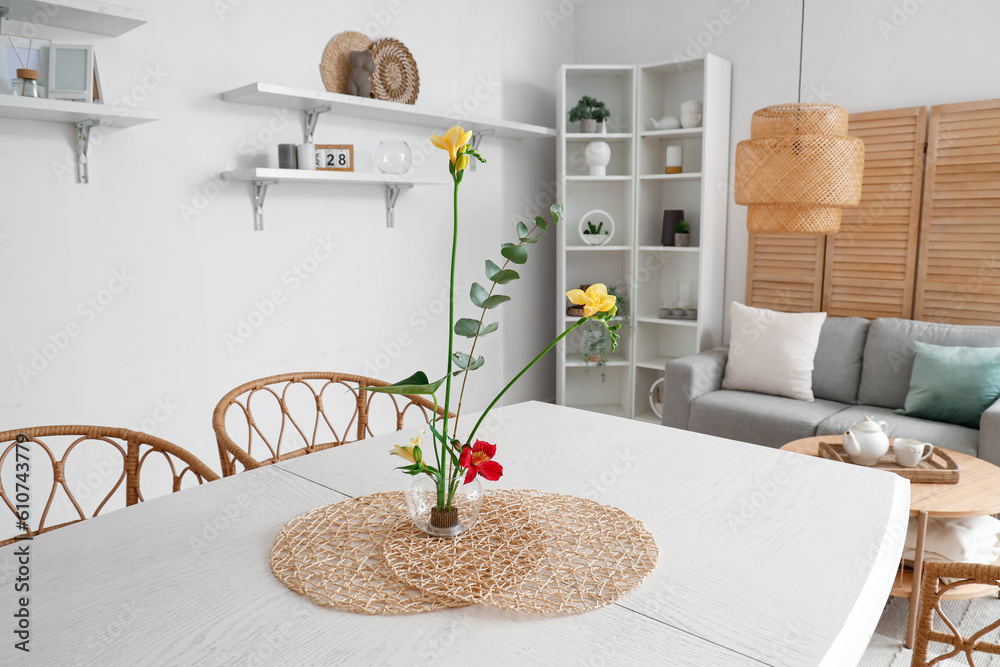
(542, 223)
(416, 384)
(470, 328)
(556, 210)
(478, 294)
(515, 253)
(522, 230)
(498, 275)
(495, 301)
(491, 269)
(464, 361)
(527, 239)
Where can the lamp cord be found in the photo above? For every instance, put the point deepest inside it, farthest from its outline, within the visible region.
(802, 39)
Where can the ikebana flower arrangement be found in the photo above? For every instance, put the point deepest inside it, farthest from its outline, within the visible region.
(457, 460)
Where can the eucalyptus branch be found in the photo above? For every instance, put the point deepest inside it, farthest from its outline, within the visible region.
(472, 351)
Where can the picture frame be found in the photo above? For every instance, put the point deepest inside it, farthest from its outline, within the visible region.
(71, 72)
(335, 157)
(17, 51)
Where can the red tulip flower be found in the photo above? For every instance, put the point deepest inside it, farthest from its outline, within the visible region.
(479, 460)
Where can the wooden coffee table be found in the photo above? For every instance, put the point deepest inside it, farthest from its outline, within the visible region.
(976, 494)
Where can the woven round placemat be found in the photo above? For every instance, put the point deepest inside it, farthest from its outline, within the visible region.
(395, 78)
(330, 555)
(586, 556)
(335, 67)
(529, 551)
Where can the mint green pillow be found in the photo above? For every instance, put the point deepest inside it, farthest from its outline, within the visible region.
(952, 384)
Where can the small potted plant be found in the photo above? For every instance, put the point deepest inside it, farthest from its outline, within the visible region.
(596, 234)
(682, 234)
(589, 112)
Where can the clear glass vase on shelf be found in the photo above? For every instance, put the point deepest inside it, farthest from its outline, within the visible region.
(393, 157)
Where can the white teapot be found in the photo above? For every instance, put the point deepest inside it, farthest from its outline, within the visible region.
(666, 123)
(867, 441)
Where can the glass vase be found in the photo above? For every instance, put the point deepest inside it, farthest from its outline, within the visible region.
(422, 502)
(393, 157)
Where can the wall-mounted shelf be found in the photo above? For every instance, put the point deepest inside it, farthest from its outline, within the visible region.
(314, 103)
(263, 178)
(99, 18)
(270, 95)
(82, 115)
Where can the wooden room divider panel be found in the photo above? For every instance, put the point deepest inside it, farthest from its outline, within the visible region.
(785, 272)
(871, 263)
(959, 275)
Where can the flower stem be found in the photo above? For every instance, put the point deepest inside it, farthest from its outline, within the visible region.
(523, 371)
(443, 458)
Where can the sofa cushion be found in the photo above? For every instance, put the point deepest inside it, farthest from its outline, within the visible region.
(953, 383)
(939, 434)
(771, 352)
(758, 418)
(837, 366)
(888, 359)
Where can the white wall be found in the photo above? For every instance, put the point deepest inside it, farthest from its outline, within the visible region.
(860, 54)
(156, 213)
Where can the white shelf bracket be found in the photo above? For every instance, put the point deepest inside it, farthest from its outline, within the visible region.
(477, 136)
(392, 191)
(259, 192)
(82, 149)
(311, 118)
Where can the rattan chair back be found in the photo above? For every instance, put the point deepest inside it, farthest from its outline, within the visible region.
(286, 416)
(933, 587)
(27, 479)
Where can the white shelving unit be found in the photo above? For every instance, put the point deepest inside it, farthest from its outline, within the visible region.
(635, 193)
(86, 16)
(100, 18)
(315, 103)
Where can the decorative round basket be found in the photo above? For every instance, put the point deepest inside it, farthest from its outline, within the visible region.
(335, 67)
(656, 398)
(597, 216)
(395, 78)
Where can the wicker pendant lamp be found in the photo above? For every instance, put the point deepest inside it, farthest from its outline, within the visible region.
(799, 167)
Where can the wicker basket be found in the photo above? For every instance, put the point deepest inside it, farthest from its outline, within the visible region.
(335, 67)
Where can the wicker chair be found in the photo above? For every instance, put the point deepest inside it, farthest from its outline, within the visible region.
(315, 430)
(130, 450)
(930, 601)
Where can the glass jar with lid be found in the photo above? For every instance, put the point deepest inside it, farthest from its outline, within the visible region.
(26, 84)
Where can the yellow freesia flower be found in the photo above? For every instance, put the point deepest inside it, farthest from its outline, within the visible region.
(595, 300)
(452, 140)
(407, 452)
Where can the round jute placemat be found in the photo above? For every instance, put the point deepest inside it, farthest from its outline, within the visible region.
(395, 78)
(529, 551)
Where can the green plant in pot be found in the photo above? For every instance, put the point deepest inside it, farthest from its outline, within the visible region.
(589, 112)
(682, 234)
(596, 234)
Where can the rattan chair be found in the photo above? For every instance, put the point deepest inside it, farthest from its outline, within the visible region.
(27, 474)
(347, 404)
(932, 589)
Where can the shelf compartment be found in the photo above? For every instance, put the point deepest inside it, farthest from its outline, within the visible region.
(91, 16)
(262, 179)
(619, 165)
(270, 95)
(654, 363)
(613, 85)
(614, 196)
(585, 389)
(652, 155)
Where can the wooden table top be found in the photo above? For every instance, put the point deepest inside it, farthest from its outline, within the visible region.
(977, 492)
(742, 531)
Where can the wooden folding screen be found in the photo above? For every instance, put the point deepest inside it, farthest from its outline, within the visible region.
(871, 263)
(959, 274)
(930, 253)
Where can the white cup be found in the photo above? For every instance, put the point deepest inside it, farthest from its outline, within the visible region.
(690, 120)
(910, 452)
(691, 106)
(307, 156)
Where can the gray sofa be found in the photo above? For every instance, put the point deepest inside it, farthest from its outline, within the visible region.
(861, 368)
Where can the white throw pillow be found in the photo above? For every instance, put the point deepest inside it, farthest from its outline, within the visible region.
(771, 352)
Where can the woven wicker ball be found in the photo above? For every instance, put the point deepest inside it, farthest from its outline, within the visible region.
(335, 67)
(395, 78)
(798, 169)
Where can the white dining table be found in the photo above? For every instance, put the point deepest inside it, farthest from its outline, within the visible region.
(766, 558)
